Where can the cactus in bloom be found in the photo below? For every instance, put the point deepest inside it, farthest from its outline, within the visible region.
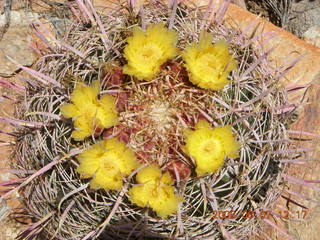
(190, 99)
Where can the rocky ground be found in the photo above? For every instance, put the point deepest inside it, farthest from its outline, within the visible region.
(301, 17)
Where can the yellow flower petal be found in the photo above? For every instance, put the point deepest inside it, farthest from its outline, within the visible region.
(208, 65)
(107, 115)
(209, 165)
(137, 196)
(166, 202)
(147, 51)
(114, 144)
(94, 153)
(108, 101)
(125, 158)
(110, 179)
(90, 112)
(88, 167)
(209, 146)
(107, 161)
(167, 179)
(203, 124)
(230, 146)
(84, 127)
(155, 190)
(84, 94)
(95, 88)
(69, 110)
(141, 195)
(79, 135)
(130, 163)
(149, 173)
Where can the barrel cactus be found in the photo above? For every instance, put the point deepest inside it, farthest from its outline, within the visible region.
(150, 124)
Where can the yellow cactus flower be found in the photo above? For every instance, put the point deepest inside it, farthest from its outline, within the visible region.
(88, 111)
(208, 146)
(208, 64)
(155, 190)
(107, 162)
(147, 51)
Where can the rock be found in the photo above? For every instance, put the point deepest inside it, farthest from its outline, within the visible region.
(16, 43)
(306, 71)
(16, 4)
(18, 18)
(304, 15)
(312, 36)
(288, 48)
(240, 3)
(308, 121)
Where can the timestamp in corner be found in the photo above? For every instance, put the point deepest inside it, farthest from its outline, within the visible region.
(261, 214)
